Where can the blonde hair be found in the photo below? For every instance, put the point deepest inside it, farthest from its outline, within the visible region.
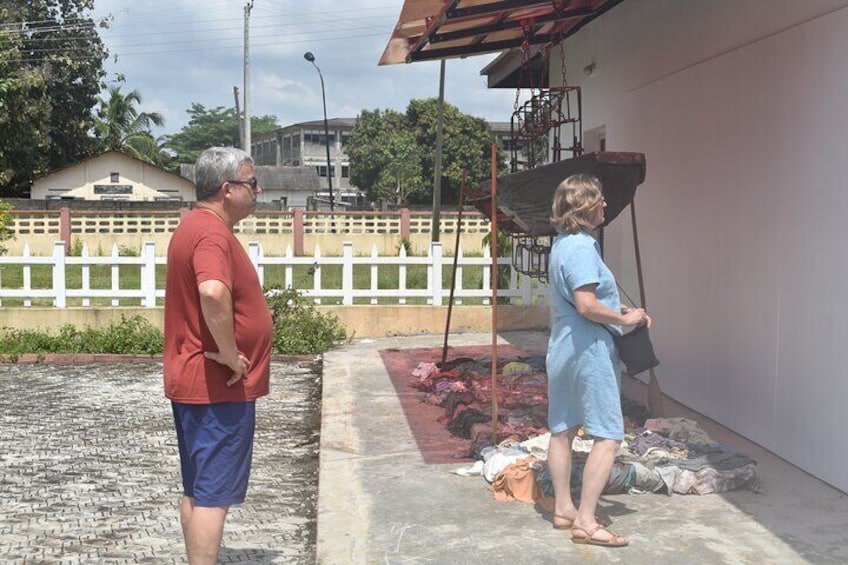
(574, 200)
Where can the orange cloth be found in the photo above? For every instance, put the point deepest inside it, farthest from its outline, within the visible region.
(518, 482)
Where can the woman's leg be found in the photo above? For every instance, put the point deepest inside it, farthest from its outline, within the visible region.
(595, 476)
(559, 465)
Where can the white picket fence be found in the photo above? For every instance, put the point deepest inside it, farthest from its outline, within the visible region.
(521, 289)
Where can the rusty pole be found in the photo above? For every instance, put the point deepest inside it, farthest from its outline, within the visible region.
(455, 259)
(494, 244)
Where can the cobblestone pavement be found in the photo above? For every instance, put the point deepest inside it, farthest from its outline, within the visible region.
(89, 469)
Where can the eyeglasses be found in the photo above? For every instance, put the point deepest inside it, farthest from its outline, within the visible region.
(252, 183)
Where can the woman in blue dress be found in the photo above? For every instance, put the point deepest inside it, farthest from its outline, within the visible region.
(582, 362)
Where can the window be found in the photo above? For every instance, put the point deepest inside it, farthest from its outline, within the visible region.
(345, 171)
(317, 137)
(345, 138)
(114, 177)
(322, 170)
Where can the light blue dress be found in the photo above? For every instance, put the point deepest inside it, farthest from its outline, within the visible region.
(582, 362)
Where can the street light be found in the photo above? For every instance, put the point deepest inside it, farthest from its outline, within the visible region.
(311, 58)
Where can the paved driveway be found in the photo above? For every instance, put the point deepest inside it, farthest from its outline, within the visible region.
(89, 468)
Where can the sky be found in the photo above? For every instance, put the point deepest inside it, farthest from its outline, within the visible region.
(178, 52)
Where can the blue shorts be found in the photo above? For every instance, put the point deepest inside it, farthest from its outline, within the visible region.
(216, 447)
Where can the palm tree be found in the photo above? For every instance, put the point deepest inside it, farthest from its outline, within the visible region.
(121, 127)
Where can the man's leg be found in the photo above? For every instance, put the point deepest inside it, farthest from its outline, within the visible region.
(186, 506)
(203, 529)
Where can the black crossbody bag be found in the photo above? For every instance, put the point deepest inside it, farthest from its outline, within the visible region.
(634, 348)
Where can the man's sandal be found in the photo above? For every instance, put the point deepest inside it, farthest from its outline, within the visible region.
(587, 537)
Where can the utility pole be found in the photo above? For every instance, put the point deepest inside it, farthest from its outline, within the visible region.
(247, 142)
(239, 122)
(436, 227)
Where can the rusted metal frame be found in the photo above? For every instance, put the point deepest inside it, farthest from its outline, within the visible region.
(504, 26)
(504, 6)
(432, 26)
(602, 9)
(503, 45)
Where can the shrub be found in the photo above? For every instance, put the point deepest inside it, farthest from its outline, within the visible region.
(134, 335)
(298, 327)
(76, 247)
(407, 246)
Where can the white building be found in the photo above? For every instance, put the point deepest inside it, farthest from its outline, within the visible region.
(289, 187)
(739, 108)
(112, 176)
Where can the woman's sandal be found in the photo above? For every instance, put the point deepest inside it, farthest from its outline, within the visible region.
(589, 537)
(569, 522)
(564, 526)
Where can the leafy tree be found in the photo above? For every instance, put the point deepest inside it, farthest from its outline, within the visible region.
(392, 155)
(383, 157)
(51, 63)
(400, 178)
(121, 127)
(6, 232)
(217, 126)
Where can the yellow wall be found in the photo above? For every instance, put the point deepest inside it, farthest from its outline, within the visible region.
(361, 321)
(272, 244)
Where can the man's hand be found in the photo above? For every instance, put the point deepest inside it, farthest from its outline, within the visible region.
(239, 364)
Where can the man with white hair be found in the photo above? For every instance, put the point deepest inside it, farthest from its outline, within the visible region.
(217, 348)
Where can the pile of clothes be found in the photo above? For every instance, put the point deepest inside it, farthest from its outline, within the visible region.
(661, 455)
(464, 388)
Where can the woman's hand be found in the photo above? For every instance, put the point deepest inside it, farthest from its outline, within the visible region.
(636, 317)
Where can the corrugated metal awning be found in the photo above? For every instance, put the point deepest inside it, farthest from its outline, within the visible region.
(443, 29)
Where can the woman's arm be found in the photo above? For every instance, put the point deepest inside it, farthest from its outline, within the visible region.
(587, 304)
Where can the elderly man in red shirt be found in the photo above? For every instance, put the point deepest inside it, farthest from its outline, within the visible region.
(217, 347)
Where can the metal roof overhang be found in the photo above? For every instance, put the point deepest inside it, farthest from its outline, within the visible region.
(444, 29)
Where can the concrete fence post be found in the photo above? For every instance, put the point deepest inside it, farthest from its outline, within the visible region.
(65, 228)
(297, 229)
(405, 223)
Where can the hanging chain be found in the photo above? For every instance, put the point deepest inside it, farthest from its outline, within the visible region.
(525, 62)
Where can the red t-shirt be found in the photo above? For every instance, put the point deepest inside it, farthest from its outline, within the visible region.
(203, 248)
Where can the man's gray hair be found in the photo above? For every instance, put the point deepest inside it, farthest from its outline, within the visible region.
(215, 166)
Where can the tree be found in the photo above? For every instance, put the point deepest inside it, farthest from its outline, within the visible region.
(51, 63)
(6, 232)
(212, 127)
(400, 178)
(392, 155)
(121, 127)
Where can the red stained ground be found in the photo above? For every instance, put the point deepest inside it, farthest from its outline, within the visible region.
(435, 442)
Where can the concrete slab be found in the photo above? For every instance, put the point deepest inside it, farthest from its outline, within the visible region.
(380, 503)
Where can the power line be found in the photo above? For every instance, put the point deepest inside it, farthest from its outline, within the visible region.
(215, 47)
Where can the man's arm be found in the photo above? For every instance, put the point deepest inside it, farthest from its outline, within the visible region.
(216, 304)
